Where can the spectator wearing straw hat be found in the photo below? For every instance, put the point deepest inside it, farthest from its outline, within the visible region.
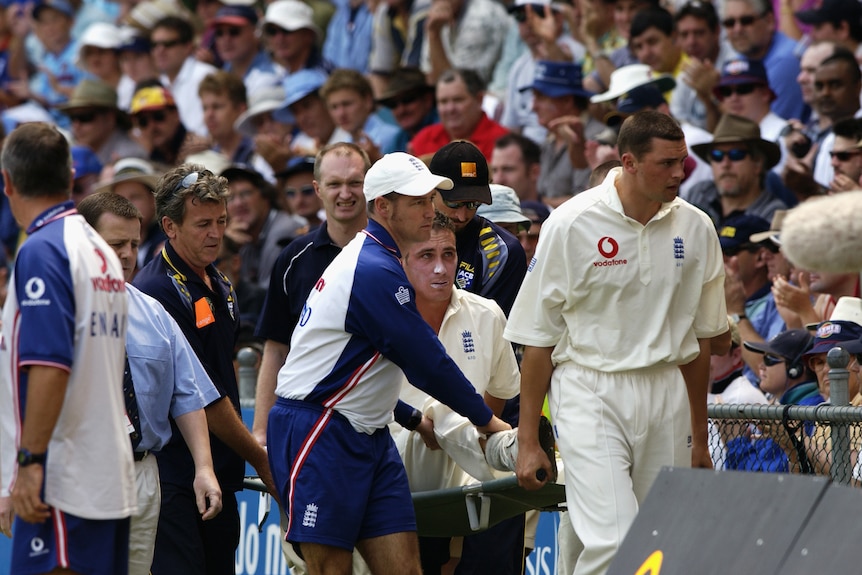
(740, 159)
(99, 124)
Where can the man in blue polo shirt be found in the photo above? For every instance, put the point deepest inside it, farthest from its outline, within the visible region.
(339, 172)
(191, 208)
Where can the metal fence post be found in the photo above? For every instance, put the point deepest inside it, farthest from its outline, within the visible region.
(838, 360)
(247, 359)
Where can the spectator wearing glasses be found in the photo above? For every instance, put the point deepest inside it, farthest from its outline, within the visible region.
(837, 21)
(411, 101)
(491, 261)
(846, 155)
(747, 289)
(163, 135)
(297, 181)
(236, 42)
(292, 36)
(740, 159)
(743, 90)
(99, 124)
(751, 31)
(172, 41)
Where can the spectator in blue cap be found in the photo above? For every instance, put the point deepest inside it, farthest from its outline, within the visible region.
(236, 42)
(748, 293)
(297, 181)
(744, 90)
(306, 108)
(561, 102)
(137, 65)
(57, 72)
(87, 170)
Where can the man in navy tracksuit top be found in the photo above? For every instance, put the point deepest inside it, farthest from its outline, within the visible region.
(335, 465)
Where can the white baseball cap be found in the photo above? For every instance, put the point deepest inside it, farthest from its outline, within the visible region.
(627, 78)
(404, 174)
(291, 15)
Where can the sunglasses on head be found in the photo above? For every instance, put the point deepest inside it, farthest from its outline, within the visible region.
(82, 117)
(844, 155)
(458, 205)
(735, 155)
(741, 89)
(307, 190)
(143, 120)
(231, 31)
(186, 182)
(770, 360)
(743, 21)
(166, 43)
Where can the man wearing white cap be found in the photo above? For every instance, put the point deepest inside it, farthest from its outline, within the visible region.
(292, 36)
(339, 386)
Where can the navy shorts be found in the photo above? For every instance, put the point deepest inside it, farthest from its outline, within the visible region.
(94, 546)
(339, 486)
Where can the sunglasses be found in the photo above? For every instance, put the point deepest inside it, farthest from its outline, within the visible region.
(307, 190)
(459, 205)
(744, 21)
(275, 31)
(770, 360)
(231, 31)
(844, 155)
(143, 120)
(741, 89)
(735, 155)
(166, 43)
(736, 250)
(83, 117)
(403, 101)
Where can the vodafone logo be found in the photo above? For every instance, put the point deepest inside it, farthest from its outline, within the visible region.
(608, 247)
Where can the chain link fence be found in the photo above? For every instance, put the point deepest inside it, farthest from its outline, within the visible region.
(821, 440)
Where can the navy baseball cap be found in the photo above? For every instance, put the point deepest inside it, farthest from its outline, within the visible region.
(736, 231)
(85, 161)
(557, 79)
(834, 11)
(635, 100)
(835, 333)
(742, 71)
(790, 344)
(235, 15)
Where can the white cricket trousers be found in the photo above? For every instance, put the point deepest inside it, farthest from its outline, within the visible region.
(615, 431)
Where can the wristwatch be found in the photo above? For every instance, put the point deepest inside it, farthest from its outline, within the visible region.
(738, 316)
(414, 421)
(26, 458)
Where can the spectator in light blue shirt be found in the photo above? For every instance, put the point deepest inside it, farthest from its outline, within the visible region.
(348, 36)
(350, 102)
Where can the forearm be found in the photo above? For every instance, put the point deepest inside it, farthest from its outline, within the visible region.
(274, 354)
(536, 369)
(224, 422)
(193, 426)
(696, 377)
(437, 57)
(495, 403)
(46, 390)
